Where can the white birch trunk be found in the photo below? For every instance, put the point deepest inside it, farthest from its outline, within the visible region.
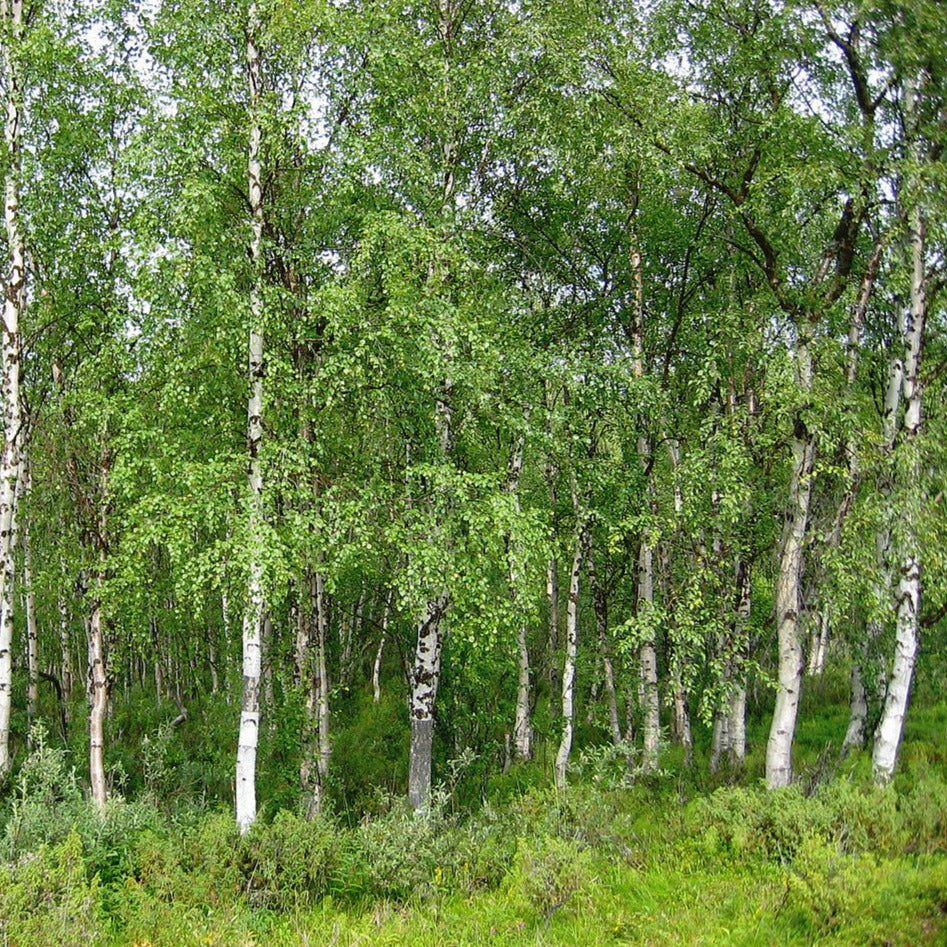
(553, 643)
(648, 665)
(425, 677)
(568, 664)
(648, 696)
(552, 599)
(818, 642)
(858, 707)
(865, 658)
(253, 616)
(11, 19)
(907, 548)
(522, 724)
(376, 666)
(99, 684)
(788, 587)
(720, 739)
(32, 638)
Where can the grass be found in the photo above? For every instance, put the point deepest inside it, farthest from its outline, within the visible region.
(685, 858)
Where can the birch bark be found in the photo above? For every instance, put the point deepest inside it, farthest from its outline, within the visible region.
(11, 19)
(907, 550)
(253, 616)
(569, 659)
(522, 725)
(789, 584)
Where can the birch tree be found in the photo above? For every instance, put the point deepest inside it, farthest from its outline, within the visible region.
(14, 301)
(253, 614)
(921, 95)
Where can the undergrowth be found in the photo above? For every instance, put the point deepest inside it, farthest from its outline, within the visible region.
(663, 860)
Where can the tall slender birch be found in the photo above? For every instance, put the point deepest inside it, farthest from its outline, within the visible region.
(29, 603)
(789, 582)
(522, 725)
(253, 616)
(426, 669)
(572, 644)
(906, 546)
(649, 698)
(14, 297)
(98, 678)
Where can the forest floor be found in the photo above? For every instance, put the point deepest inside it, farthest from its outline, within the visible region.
(676, 858)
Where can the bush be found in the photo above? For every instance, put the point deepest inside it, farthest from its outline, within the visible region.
(550, 872)
(292, 861)
(46, 898)
(404, 853)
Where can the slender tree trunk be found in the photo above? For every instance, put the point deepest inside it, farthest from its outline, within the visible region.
(648, 697)
(737, 723)
(65, 647)
(568, 664)
(858, 708)
(552, 601)
(253, 615)
(376, 666)
(320, 680)
(600, 605)
(522, 724)
(158, 650)
(311, 664)
(99, 684)
(818, 641)
(553, 643)
(865, 658)
(681, 718)
(789, 586)
(32, 638)
(907, 549)
(11, 20)
(213, 656)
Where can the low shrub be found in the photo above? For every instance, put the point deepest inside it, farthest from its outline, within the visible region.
(46, 898)
(550, 872)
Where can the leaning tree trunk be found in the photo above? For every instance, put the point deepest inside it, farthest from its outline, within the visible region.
(253, 615)
(11, 21)
(789, 585)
